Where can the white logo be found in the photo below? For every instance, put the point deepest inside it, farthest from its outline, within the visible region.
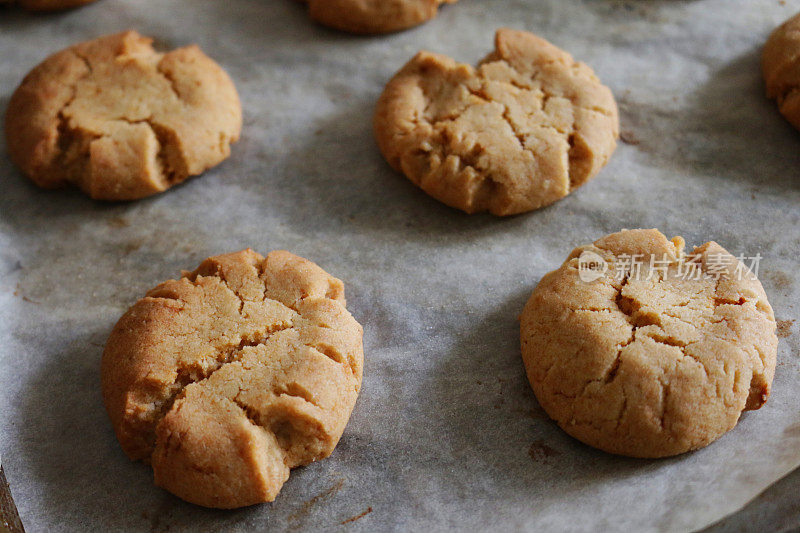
(591, 267)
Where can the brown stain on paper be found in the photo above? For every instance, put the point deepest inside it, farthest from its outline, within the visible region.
(356, 517)
(784, 328)
(305, 509)
(628, 137)
(779, 279)
(539, 451)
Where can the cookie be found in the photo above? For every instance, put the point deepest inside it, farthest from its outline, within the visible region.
(120, 120)
(373, 16)
(525, 128)
(781, 66)
(227, 378)
(638, 348)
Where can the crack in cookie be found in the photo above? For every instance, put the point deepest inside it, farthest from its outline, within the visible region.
(121, 121)
(652, 364)
(531, 123)
(230, 376)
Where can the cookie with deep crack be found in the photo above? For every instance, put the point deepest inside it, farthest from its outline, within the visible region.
(227, 378)
(525, 128)
(781, 67)
(373, 16)
(120, 120)
(639, 348)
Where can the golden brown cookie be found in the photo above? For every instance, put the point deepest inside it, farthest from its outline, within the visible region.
(373, 16)
(781, 66)
(657, 356)
(524, 129)
(46, 5)
(229, 377)
(120, 120)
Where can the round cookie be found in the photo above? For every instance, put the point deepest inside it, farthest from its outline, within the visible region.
(524, 129)
(781, 67)
(227, 378)
(47, 5)
(649, 362)
(373, 16)
(120, 120)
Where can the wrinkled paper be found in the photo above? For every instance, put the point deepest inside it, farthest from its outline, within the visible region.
(446, 432)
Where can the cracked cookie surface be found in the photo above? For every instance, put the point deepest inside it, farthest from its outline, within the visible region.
(120, 120)
(232, 375)
(781, 68)
(522, 130)
(652, 362)
(373, 16)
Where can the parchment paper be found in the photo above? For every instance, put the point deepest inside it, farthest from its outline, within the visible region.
(446, 433)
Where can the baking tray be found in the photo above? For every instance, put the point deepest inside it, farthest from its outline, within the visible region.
(446, 433)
